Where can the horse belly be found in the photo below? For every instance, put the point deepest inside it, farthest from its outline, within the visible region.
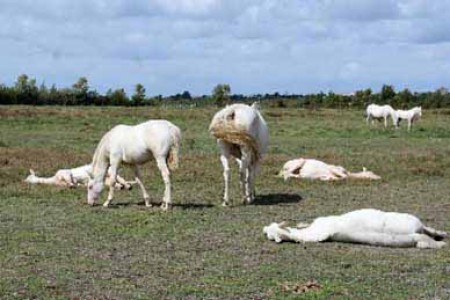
(136, 156)
(315, 169)
(400, 223)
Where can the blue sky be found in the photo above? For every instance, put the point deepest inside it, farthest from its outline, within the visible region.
(256, 46)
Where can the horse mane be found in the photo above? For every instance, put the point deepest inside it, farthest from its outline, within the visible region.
(230, 133)
(99, 153)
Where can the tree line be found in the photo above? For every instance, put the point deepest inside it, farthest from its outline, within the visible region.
(26, 91)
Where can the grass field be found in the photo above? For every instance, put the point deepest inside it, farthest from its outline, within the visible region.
(54, 246)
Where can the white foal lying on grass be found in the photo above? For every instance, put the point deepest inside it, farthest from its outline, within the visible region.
(364, 226)
(316, 169)
(76, 177)
(135, 145)
(241, 133)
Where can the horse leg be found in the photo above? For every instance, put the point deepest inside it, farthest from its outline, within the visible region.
(162, 165)
(409, 124)
(378, 239)
(113, 174)
(255, 170)
(435, 234)
(425, 242)
(138, 176)
(226, 178)
(244, 174)
(339, 173)
(225, 155)
(123, 183)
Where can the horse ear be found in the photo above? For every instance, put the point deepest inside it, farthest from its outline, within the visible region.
(256, 105)
(283, 224)
(231, 116)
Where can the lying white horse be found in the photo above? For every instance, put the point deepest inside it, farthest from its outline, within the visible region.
(364, 226)
(374, 111)
(135, 145)
(76, 177)
(411, 115)
(316, 169)
(241, 133)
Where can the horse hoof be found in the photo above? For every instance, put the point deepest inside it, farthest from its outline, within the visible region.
(165, 206)
(225, 204)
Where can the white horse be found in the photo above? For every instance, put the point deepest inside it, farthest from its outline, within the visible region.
(76, 177)
(364, 226)
(316, 169)
(374, 111)
(135, 145)
(411, 115)
(241, 133)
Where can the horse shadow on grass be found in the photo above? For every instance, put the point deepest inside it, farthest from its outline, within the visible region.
(158, 204)
(267, 199)
(278, 198)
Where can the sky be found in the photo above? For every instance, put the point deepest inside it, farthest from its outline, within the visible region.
(255, 46)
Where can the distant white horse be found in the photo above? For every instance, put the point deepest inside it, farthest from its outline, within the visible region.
(374, 111)
(316, 169)
(76, 177)
(364, 226)
(241, 133)
(135, 145)
(411, 115)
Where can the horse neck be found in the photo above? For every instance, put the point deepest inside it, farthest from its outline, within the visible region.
(44, 180)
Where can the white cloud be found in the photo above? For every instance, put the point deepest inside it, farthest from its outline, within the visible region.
(257, 46)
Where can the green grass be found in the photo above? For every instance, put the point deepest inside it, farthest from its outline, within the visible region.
(54, 246)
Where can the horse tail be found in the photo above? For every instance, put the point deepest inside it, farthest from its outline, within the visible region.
(173, 156)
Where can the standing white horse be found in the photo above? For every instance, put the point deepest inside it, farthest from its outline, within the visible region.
(135, 145)
(241, 133)
(374, 111)
(411, 115)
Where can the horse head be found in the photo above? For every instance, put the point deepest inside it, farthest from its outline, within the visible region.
(94, 189)
(31, 178)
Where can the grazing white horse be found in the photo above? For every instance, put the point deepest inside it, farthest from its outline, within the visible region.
(364, 226)
(374, 111)
(76, 177)
(241, 133)
(135, 145)
(316, 169)
(411, 115)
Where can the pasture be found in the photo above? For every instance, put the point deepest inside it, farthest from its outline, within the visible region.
(54, 246)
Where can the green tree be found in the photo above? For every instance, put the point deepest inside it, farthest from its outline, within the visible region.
(26, 90)
(403, 99)
(80, 91)
(221, 94)
(117, 97)
(138, 97)
(387, 93)
(43, 94)
(186, 95)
